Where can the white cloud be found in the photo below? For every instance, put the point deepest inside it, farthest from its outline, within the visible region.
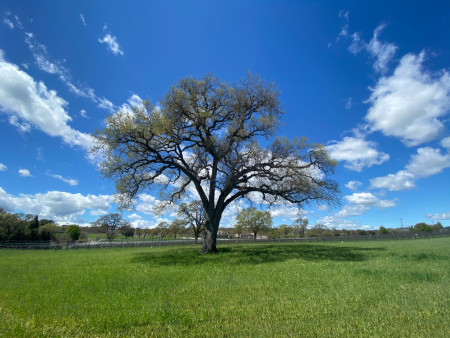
(402, 180)
(69, 181)
(98, 212)
(358, 204)
(12, 21)
(427, 162)
(348, 103)
(111, 42)
(3, 167)
(24, 172)
(105, 104)
(357, 153)
(83, 114)
(134, 216)
(9, 23)
(383, 52)
(353, 185)
(409, 103)
(445, 142)
(23, 127)
(439, 217)
(34, 105)
(57, 205)
(40, 54)
(285, 213)
(82, 19)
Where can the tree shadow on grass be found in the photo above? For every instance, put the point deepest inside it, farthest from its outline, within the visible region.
(255, 254)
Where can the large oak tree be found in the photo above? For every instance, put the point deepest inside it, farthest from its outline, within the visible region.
(208, 134)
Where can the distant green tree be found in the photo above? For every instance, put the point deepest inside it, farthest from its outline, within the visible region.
(73, 231)
(110, 224)
(284, 230)
(194, 215)
(11, 226)
(162, 229)
(254, 220)
(138, 233)
(422, 227)
(127, 230)
(437, 227)
(176, 227)
(383, 230)
(299, 226)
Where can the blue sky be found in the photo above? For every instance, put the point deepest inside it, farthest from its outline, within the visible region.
(371, 81)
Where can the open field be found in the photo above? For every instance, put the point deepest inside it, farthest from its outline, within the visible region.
(382, 288)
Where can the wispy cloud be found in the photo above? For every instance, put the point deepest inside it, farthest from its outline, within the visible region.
(111, 42)
(69, 181)
(40, 54)
(3, 167)
(82, 19)
(12, 21)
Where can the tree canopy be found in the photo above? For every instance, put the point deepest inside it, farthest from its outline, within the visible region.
(254, 220)
(206, 134)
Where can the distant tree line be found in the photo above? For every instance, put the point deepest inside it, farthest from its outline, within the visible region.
(21, 227)
(190, 222)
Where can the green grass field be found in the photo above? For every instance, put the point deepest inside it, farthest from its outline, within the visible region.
(368, 288)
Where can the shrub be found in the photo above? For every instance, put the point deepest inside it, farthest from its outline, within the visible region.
(73, 231)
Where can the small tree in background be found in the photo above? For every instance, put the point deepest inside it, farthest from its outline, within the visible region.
(194, 215)
(176, 227)
(383, 230)
(127, 230)
(254, 220)
(73, 231)
(110, 224)
(422, 227)
(162, 229)
(299, 226)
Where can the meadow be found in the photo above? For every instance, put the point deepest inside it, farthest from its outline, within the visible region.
(368, 288)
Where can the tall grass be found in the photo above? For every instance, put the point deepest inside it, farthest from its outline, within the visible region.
(383, 288)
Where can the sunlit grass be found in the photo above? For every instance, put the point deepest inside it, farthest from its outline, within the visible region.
(382, 288)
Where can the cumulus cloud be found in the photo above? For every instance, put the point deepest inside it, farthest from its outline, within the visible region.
(111, 42)
(445, 142)
(353, 185)
(3, 167)
(439, 217)
(57, 205)
(409, 103)
(32, 104)
(356, 152)
(24, 172)
(426, 162)
(69, 181)
(357, 205)
(401, 180)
